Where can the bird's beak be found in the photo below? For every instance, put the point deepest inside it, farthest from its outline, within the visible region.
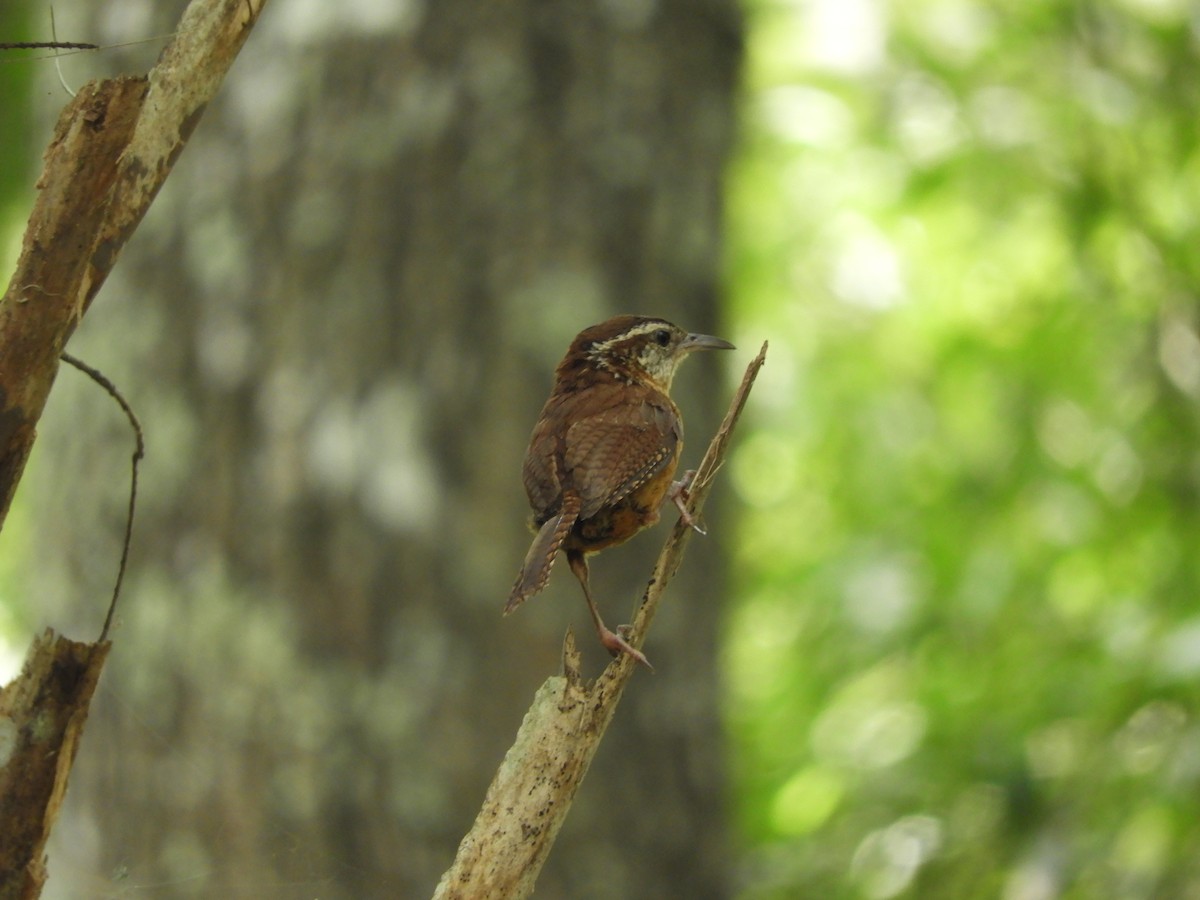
(704, 342)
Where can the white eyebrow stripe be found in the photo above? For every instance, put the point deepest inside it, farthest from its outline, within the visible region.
(636, 331)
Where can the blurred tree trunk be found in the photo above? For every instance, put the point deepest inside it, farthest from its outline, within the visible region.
(338, 323)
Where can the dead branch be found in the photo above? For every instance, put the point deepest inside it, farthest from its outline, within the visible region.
(114, 145)
(42, 714)
(529, 798)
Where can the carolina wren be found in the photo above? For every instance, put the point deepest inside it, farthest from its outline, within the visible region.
(604, 450)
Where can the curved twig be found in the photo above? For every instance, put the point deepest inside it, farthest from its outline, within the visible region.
(138, 452)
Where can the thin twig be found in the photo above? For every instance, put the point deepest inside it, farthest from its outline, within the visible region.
(47, 45)
(531, 794)
(75, 47)
(57, 65)
(698, 490)
(138, 453)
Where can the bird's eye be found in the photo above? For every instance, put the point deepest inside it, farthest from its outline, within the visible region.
(662, 337)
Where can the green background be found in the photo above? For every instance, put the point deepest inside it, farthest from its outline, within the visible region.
(964, 651)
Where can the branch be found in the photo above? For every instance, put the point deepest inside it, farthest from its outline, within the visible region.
(113, 147)
(42, 714)
(529, 798)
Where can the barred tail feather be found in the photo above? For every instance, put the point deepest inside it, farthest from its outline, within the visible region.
(535, 572)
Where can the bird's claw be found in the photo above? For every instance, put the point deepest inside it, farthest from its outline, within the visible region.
(618, 642)
(678, 493)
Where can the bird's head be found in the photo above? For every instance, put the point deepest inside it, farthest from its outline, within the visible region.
(639, 349)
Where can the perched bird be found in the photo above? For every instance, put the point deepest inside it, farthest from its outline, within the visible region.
(602, 455)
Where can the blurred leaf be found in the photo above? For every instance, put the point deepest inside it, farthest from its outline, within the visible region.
(975, 482)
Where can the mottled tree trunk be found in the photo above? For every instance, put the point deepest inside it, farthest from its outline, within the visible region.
(338, 323)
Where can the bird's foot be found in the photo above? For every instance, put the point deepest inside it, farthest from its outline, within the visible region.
(678, 492)
(616, 643)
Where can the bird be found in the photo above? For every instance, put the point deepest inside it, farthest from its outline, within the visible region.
(603, 454)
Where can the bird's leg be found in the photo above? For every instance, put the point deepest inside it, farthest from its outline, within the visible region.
(678, 494)
(613, 641)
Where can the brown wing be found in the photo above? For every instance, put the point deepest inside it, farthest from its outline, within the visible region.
(611, 453)
(540, 471)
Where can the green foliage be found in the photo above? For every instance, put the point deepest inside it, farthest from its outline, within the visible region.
(965, 657)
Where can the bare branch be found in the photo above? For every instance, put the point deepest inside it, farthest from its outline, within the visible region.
(531, 794)
(42, 714)
(115, 144)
